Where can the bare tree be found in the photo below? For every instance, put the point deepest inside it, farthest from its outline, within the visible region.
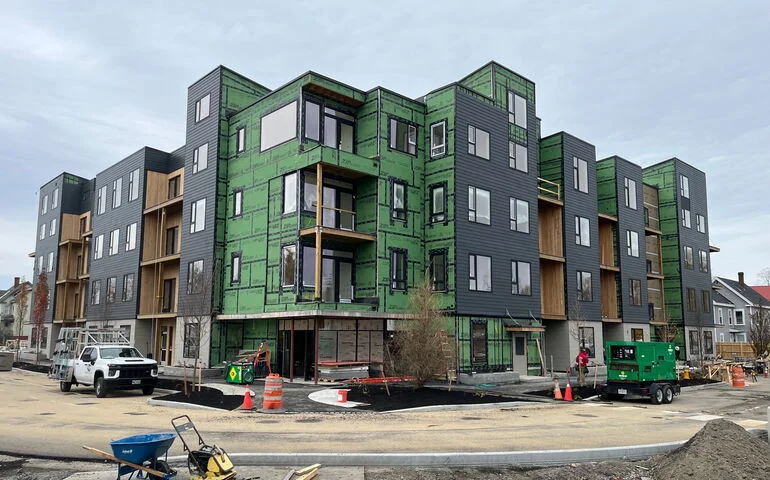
(197, 312)
(763, 277)
(20, 313)
(418, 348)
(668, 331)
(759, 334)
(39, 310)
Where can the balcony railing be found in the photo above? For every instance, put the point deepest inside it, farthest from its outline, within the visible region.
(548, 188)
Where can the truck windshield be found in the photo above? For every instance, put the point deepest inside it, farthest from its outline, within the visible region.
(618, 352)
(120, 352)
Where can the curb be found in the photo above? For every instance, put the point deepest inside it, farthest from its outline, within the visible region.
(529, 458)
(191, 406)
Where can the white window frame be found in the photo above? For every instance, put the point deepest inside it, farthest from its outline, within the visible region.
(720, 316)
(240, 139)
(201, 158)
(131, 236)
(238, 202)
(114, 242)
(117, 192)
(101, 200)
(198, 216)
(438, 149)
(203, 108)
(517, 208)
(684, 186)
(290, 198)
(99, 247)
(686, 220)
(743, 317)
(235, 268)
(473, 144)
(582, 231)
(632, 243)
(518, 157)
(630, 193)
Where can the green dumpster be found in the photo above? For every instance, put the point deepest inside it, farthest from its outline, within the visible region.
(239, 372)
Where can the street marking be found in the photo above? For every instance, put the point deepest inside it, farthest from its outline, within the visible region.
(704, 418)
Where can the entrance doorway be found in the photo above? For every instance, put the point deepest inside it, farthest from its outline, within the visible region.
(520, 353)
(304, 346)
(165, 348)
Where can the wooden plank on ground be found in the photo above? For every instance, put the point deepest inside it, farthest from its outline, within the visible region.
(307, 469)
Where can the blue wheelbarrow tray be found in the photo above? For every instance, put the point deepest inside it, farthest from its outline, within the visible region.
(141, 448)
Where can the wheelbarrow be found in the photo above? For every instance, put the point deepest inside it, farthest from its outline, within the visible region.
(140, 453)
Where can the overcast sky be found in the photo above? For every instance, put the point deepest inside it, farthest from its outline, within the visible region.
(85, 87)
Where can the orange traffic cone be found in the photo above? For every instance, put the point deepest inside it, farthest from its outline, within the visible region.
(556, 390)
(568, 392)
(247, 405)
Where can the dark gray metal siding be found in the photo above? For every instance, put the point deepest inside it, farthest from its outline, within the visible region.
(200, 245)
(495, 240)
(577, 203)
(50, 243)
(698, 204)
(633, 220)
(124, 262)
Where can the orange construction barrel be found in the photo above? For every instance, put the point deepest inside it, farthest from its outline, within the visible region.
(342, 395)
(273, 396)
(739, 380)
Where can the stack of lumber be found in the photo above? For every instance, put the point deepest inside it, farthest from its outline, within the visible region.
(303, 473)
(342, 372)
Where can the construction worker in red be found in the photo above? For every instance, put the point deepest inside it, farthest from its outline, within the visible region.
(582, 364)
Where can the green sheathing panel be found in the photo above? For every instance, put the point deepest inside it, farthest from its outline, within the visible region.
(498, 345)
(606, 186)
(551, 160)
(228, 338)
(439, 170)
(479, 81)
(663, 176)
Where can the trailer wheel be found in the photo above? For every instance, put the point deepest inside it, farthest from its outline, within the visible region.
(657, 394)
(101, 387)
(668, 394)
(65, 386)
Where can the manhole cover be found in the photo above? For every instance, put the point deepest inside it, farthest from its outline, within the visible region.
(471, 418)
(134, 413)
(47, 413)
(587, 415)
(308, 420)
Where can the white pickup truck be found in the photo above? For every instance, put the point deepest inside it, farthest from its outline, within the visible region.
(112, 367)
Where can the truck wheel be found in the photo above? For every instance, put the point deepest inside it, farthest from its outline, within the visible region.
(148, 391)
(101, 387)
(65, 386)
(657, 394)
(668, 394)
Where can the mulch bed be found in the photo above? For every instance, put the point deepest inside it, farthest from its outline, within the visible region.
(32, 367)
(209, 397)
(402, 397)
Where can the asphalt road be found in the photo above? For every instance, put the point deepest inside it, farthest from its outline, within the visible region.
(38, 419)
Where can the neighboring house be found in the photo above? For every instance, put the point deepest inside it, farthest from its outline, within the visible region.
(748, 303)
(763, 290)
(305, 215)
(8, 311)
(724, 316)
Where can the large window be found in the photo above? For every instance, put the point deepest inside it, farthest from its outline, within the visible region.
(41, 236)
(398, 200)
(98, 247)
(706, 301)
(694, 343)
(720, 317)
(96, 292)
(584, 287)
(517, 109)
(198, 216)
(629, 189)
(44, 206)
(101, 200)
(333, 128)
(438, 203)
(519, 215)
(739, 317)
(312, 121)
(517, 157)
(398, 269)
(635, 291)
(704, 261)
(708, 343)
(684, 186)
(117, 192)
(632, 243)
(686, 218)
(238, 202)
(403, 136)
(480, 273)
(235, 268)
(191, 340)
(582, 231)
(479, 334)
(580, 174)
(288, 265)
(278, 127)
(240, 140)
(114, 239)
(478, 142)
(131, 237)
(689, 263)
(133, 185)
(52, 228)
(438, 139)
(700, 223)
(692, 300)
(200, 158)
(438, 270)
(55, 198)
(521, 281)
(195, 277)
(290, 193)
(202, 107)
(173, 186)
(586, 340)
(128, 287)
(50, 262)
(478, 205)
(111, 287)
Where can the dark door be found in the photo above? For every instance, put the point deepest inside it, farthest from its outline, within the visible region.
(171, 236)
(169, 288)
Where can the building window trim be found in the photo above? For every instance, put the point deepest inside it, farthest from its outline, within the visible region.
(117, 192)
(438, 150)
(584, 286)
(436, 215)
(519, 215)
(203, 107)
(632, 243)
(238, 202)
(399, 260)
(409, 145)
(398, 212)
(629, 189)
(198, 216)
(128, 287)
(686, 218)
(518, 157)
(133, 185)
(580, 174)
(240, 140)
(474, 194)
(521, 278)
(635, 291)
(200, 158)
(439, 284)
(131, 237)
(475, 277)
(689, 260)
(582, 231)
(684, 186)
(289, 199)
(195, 280)
(474, 142)
(235, 268)
(517, 109)
(288, 267)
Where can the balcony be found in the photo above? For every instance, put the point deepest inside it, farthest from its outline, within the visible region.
(608, 226)
(651, 210)
(164, 190)
(549, 191)
(337, 224)
(653, 253)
